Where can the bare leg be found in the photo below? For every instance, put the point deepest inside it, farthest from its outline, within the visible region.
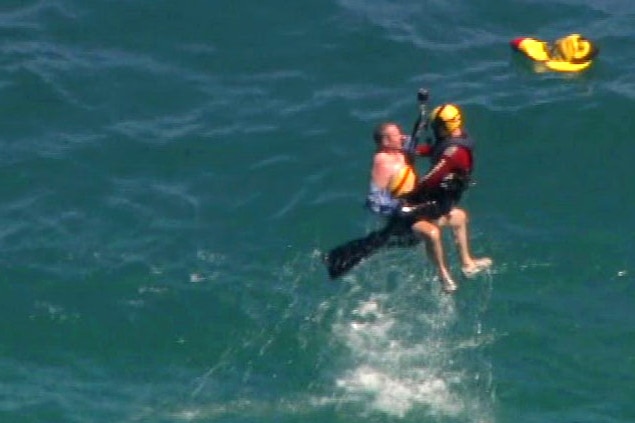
(431, 233)
(458, 220)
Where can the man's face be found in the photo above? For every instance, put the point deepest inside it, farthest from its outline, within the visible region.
(392, 137)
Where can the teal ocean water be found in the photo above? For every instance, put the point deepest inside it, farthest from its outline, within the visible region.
(172, 171)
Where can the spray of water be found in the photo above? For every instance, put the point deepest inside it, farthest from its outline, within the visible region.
(412, 350)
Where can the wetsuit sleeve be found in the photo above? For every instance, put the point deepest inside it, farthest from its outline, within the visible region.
(454, 159)
(424, 150)
(419, 150)
(409, 145)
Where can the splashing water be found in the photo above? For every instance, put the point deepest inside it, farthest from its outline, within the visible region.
(407, 355)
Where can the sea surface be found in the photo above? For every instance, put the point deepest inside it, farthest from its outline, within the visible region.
(172, 171)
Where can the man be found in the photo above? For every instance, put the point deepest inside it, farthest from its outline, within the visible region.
(427, 205)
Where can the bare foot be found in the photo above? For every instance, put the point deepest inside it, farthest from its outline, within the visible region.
(476, 267)
(449, 286)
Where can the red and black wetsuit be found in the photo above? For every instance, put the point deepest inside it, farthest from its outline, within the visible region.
(441, 188)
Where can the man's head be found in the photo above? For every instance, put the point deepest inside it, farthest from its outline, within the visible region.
(388, 135)
(445, 120)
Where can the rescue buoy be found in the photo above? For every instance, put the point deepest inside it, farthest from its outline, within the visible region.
(572, 53)
(403, 181)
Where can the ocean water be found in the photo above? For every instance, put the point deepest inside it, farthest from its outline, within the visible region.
(172, 172)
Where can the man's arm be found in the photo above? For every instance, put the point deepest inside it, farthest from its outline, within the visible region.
(424, 150)
(454, 159)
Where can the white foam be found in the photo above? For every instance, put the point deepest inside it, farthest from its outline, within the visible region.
(394, 372)
(395, 394)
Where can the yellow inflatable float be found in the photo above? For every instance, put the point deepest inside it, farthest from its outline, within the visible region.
(572, 53)
(403, 181)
